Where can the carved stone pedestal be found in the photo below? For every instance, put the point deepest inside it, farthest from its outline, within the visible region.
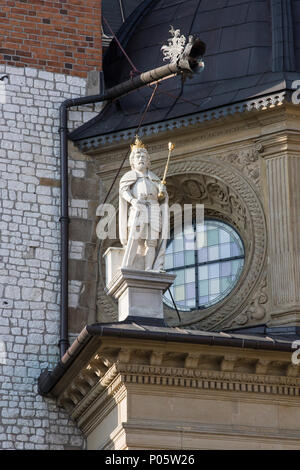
(139, 293)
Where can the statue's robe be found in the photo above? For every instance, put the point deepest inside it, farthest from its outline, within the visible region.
(126, 183)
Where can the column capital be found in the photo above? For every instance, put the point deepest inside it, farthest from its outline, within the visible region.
(282, 143)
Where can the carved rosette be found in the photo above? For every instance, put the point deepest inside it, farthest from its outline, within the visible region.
(228, 188)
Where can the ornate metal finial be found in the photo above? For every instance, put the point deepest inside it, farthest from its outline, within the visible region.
(138, 144)
(175, 46)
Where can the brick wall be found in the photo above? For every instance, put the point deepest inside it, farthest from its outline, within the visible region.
(62, 36)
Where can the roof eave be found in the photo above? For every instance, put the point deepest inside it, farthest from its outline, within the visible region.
(256, 103)
(49, 379)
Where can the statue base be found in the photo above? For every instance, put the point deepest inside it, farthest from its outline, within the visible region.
(139, 293)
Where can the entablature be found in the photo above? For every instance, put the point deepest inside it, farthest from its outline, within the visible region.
(119, 363)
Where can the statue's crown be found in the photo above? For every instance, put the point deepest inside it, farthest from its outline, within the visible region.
(138, 144)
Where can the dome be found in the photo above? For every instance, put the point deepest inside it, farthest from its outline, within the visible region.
(252, 50)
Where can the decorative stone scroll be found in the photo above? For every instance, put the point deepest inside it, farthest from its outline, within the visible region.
(214, 194)
(256, 310)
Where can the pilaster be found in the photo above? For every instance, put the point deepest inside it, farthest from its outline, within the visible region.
(282, 175)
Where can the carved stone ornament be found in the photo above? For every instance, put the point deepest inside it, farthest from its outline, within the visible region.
(228, 195)
(175, 46)
(256, 310)
(247, 161)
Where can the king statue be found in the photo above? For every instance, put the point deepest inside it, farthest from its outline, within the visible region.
(143, 213)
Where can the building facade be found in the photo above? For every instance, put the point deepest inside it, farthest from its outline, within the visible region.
(219, 372)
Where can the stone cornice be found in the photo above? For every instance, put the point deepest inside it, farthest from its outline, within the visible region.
(285, 142)
(203, 369)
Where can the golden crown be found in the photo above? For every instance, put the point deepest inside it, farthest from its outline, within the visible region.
(138, 144)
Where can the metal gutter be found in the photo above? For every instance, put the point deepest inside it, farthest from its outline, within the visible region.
(48, 379)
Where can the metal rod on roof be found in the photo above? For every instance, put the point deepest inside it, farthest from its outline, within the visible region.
(120, 45)
(122, 11)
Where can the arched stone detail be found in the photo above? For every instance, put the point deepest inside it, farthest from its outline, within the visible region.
(228, 195)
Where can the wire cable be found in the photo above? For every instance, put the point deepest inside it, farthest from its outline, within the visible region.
(137, 131)
(175, 306)
(120, 46)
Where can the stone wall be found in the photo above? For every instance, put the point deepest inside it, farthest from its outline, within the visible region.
(84, 196)
(30, 252)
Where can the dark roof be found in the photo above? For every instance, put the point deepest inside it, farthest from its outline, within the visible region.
(115, 12)
(252, 49)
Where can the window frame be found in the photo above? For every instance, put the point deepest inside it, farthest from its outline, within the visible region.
(205, 263)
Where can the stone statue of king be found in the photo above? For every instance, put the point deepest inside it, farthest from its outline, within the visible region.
(143, 213)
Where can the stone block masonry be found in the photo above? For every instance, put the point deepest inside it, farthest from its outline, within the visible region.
(30, 252)
(62, 36)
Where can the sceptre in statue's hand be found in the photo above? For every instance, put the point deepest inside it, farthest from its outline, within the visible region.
(161, 195)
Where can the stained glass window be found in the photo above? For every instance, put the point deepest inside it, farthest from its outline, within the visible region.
(208, 260)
